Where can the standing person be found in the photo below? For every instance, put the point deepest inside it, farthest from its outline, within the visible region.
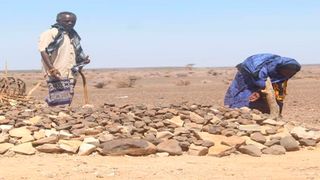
(62, 56)
(246, 90)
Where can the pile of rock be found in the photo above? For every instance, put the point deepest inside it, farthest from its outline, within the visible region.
(30, 127)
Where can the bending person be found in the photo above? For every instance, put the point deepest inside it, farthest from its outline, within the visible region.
(246, 90)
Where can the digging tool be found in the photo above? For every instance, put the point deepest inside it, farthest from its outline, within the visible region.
(275, 110)
(85, 89)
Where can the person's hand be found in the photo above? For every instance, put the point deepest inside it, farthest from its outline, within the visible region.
(86, 60)
(55, 73)
(254, 96)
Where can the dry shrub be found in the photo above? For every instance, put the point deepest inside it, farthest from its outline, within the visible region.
(100, 85)
(182, 75)
(213, 72)
(128, 82)
(182, 82)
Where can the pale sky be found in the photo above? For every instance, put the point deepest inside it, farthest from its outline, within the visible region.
(152, 33)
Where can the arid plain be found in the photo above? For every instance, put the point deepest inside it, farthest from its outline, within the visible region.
(161, 87)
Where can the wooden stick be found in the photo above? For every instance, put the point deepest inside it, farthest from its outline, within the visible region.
(85, 89)
(33, 89)
(274, 108)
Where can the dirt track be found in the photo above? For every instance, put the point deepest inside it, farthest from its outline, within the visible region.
(159, 87)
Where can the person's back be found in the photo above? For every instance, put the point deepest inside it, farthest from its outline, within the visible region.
(246, 88)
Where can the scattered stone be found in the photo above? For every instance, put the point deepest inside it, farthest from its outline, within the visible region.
(164, 135)
(20, 132)
(274, 150)
(162, 154)
(194, 117)
(258, 137)
(91, 140)
(170, 146)
(251, 150)
(176, 120)
(272, 142)
(134, 147)
(233, 141)
(308, 142)
(25, 148)
(4, 138)
(4, 147)
(250, 127)
(49, 148)
(48, 140)
(197, 150)
(220, 150)
(289, 143)
(71, 146)
(105, 137)
(86, 149)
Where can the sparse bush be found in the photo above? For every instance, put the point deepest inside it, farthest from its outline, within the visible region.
(212, 72)
(100, 85)
(128, 83)
(183, 82)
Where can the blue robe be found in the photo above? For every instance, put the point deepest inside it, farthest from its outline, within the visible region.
(252, 75)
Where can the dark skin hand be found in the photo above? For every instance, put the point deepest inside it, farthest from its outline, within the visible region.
(254, 96)
(288, 73)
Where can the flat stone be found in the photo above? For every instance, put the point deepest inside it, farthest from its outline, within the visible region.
(69, 145)
(27, 138)
(25, 148)
(3, 120)
(303, 133)
(193, 126)
(220, 150)
(51, 132)
(197, 150)
(105, 137)
(35, 120)
(19, 132)
(39, 134)
(308, 142)
(251, 150)
(272, 142)
(274, 150)
(48, 140)
(273, 122)
(249, 141)
(91, 140)
(134, 147)
(250, 127)
(49, 148)
(257, 117)
(162, 154)
(64, 134)
(139, 124)
(215, 119)
(289, 143)
(176, 120)
(216, 139)
(4, 147)
(258, 137)
(194, 117)
(170, 146)
(86, 149)
(4, 138)
(164, 135)
(5, 128)
(207, 144)
(233, 141)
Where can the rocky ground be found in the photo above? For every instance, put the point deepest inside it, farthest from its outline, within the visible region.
(161, 114)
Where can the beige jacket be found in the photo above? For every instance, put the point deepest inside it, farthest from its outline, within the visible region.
(64, 58)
